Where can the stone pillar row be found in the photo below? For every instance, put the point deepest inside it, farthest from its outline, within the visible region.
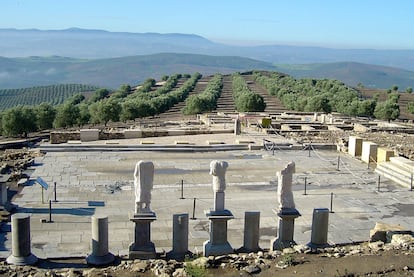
(143, 248)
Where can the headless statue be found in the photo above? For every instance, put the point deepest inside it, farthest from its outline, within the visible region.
(143, 182)
(284, 187)
(218, 171)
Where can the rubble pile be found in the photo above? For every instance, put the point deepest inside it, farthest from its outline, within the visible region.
(15, 161)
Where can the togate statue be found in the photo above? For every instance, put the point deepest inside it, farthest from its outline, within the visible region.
(143, 182)
(218, 171)
(284, 187)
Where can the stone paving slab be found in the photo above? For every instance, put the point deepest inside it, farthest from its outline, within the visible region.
(102, 183)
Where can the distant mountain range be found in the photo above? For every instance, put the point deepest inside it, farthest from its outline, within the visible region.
(111, 73)
(81, 43)
(34, 57)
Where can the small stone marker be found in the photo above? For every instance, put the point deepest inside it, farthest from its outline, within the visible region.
(100, 253)
(251, 231)
(21, 245)
(320, 222)
(180, 237)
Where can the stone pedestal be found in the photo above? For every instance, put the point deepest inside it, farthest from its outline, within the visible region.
(251, 231)
(100, 253)
(142, 247)
(180, 237)
(320, 221)
(218, 244)
(286, 229)
(21, 245)
(355, 146)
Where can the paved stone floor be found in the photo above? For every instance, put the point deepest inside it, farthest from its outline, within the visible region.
(91, 183)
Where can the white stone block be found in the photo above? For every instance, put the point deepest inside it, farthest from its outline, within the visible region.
(355, 146)
(369, 151)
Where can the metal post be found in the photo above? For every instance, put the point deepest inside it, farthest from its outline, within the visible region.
(194, 206)
(50, 211)
(331, 210)
(182, 189)
(379, 182)
(305, 185)
(309, 148)
(339, 160)
(54, 190)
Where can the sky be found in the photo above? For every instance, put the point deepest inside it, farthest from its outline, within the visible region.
(375, 24)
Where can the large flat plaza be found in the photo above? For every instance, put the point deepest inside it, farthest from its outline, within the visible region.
(101, 182)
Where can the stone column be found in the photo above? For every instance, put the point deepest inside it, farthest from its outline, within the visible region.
(237, 127)
(320, 221)
(180, 237)
(100, 253)
(21, 246)
(251, 231)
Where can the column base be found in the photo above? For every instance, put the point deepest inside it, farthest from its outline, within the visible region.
(218, 249)
(277, 244)
(100, 260)
(142, 252)
(28, 260)
(179, 256)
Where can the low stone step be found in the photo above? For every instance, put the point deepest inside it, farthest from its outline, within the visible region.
(395, 173)
(403, 162)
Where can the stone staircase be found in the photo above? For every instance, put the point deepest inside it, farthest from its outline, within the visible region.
(398, 169)
(175, 112)
(225, 103)
(273, 104)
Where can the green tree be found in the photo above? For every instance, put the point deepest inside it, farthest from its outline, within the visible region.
(45, 116)
(395, 88)
(18, 120)
(387, 110)
(66, 115)
(84, 115)
(105, 110)
(99, 94)
(410, 107)
(409, 90)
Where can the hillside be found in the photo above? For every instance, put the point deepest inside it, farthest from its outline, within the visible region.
(39, 71)
(54, 94)
(98, 44)
(351, 73)
(111, 73)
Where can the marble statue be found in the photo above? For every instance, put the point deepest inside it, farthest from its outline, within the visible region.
(284, 187)
(143, 182)
(218, 171)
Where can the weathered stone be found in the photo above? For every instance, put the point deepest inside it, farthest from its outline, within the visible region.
(402, 239)
(252, 269)
(380, 231)
(376, 246)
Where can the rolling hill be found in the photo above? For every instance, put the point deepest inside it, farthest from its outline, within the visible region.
(111, 73)
(351, 73)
